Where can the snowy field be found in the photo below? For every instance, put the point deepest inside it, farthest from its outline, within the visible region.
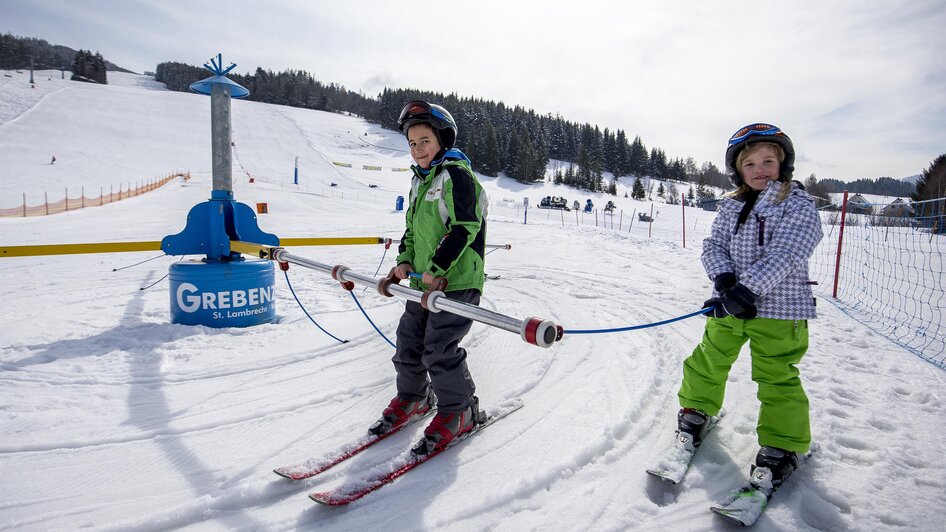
(111, 418)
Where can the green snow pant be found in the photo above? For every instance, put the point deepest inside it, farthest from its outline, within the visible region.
(775, 346)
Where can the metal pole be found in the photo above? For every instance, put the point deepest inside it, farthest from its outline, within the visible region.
(837, 261)
(683, 208)
(650, 224)
(536, 331)
(220, 140)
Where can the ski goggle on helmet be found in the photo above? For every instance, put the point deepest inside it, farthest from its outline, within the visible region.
(421, 112)
(760, 132)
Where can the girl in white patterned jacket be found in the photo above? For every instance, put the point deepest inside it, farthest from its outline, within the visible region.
(757, 257)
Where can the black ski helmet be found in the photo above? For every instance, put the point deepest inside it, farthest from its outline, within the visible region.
(760, 132)
(421, 112)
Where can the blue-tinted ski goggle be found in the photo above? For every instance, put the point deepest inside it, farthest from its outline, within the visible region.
(754, 129)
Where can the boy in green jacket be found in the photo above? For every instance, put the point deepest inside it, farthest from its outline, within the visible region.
(445, 237)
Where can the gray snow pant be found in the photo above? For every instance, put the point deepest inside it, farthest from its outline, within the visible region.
(428, 344)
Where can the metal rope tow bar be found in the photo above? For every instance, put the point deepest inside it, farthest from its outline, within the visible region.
(536, 331)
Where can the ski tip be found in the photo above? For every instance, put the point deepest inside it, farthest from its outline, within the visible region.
(516, 403)
(662, 476)
(510, 404)
(506, 407)
(290, 474)
(325, 499)
(731, 516)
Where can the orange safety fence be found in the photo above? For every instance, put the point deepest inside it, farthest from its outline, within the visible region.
(104, 197)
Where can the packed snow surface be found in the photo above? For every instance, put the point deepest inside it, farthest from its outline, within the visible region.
(111, 417)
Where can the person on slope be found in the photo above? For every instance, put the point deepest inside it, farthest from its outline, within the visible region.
(757, 258)
(445, 238)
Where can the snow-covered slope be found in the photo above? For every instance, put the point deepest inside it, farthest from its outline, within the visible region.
(112, 418)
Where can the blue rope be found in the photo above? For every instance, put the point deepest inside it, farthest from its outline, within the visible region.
(138, 263)
(379, 266)
(369, 320)
(307, 312)
(159, 280)
(646, 325)
(154, 283)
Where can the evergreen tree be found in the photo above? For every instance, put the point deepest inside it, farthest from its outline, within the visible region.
(817, 191)
(702, 192)
(637, 190)
(570, 177)
(89, 67)
(660, 190)
(932, 183)
(658, 164)
(677, 170)
(711, 176)
(608, 151)
(514, 150)
(583, 174)
(639, 161)
(488, 159)
(621, 155)
(931, 190)
(690, 170)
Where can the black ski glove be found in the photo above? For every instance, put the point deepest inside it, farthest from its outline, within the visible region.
(737, 301)
(724, 281)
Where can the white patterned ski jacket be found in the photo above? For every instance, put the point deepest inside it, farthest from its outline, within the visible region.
(769, 253)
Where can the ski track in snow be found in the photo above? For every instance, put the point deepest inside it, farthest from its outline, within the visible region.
(113, 419)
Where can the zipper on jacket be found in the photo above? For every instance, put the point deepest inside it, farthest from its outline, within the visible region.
(761, 221)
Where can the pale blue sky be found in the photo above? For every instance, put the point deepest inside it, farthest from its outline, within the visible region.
(859, 85)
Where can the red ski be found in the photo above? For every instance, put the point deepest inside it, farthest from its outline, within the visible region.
(405, 462)
(314, 466)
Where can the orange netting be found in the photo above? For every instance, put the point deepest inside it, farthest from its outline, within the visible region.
(71, 204)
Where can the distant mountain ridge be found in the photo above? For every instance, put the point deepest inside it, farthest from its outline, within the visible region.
(15, 53)
(883, 186)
